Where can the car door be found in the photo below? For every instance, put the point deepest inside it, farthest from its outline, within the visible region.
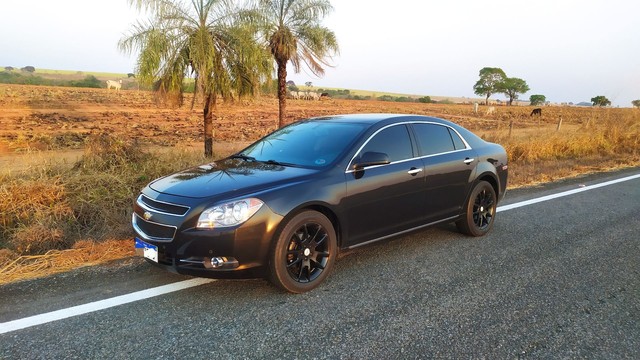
(385, 199)
(449, 163)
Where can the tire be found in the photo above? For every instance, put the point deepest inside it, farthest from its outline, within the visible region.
(480, 210)
(304, 252)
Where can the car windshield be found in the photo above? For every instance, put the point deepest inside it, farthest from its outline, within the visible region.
(305, 144)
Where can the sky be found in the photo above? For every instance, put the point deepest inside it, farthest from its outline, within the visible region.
(567, 50)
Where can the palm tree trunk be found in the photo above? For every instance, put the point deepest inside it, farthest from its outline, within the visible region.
(282, 91)
(209, 106)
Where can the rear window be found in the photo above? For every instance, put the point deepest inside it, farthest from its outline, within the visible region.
(434, 139)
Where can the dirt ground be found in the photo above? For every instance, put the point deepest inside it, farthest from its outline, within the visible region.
(57, 118)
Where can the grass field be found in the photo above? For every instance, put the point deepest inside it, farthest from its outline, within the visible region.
(59, 211)
(99, 75)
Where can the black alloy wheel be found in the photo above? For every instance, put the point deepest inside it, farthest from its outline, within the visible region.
(304, 252)
(480, 210)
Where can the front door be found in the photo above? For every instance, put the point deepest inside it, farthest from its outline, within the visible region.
(385, 199)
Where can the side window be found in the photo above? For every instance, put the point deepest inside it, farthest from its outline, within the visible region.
(433, 139)
(393, 141)
(457, 142)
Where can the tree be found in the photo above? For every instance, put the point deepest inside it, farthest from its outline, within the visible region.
(30, 69)
(512, 87)
(600, 100)
(636, 103)
(294, 33)
(209, 40)
(537, 99)
(490, 79)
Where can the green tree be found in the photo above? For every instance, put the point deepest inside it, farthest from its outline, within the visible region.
(636, 103)
(512, 87)
(537, 99)
(294, 33)
(489, 82)
(600, 100)
(210, 40)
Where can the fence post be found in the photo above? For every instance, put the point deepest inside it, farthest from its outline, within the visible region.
(559, 123)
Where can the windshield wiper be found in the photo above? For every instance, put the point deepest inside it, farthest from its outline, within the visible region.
(243, 157)
(275, 162)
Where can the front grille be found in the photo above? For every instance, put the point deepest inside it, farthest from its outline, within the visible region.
(162, 207)
(153, 231)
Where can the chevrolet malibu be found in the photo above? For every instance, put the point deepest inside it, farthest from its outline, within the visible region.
(283, 207)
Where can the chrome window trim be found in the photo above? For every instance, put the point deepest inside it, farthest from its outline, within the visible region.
(145, 236)
(348, 170)
(149, 208)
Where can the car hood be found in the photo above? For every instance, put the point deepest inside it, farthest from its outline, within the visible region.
(227, 177)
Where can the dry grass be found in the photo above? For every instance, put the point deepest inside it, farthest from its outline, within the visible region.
(538, 155)
(83, 253)
(49, 213)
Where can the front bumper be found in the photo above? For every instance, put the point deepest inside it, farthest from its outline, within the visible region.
(183, 249)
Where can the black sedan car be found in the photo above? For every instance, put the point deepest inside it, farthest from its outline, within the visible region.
(283, 207)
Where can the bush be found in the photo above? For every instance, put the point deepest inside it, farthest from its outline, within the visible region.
(385, 98)
(20, 79)
(89, 81)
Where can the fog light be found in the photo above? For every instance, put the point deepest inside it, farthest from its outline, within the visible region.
(217, 262)
(221, 262)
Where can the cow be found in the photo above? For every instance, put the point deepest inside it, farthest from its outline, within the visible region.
(490, 110)
(536, 111)
(114, 84)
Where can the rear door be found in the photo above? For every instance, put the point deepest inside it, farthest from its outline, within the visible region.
(449, 163)
(385, 199)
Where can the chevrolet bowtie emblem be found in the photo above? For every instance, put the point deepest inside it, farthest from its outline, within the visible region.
(147, 215)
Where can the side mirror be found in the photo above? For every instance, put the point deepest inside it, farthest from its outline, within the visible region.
(371, 158)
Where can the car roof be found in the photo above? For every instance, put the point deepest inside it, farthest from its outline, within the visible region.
(379, 118)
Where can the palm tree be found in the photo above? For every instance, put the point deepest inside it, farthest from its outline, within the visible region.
(205, 39)
(294, 33)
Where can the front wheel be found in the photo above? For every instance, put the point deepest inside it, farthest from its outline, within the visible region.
(304, 252)
(480, 210)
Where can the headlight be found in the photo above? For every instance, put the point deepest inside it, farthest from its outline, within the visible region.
(229, 214)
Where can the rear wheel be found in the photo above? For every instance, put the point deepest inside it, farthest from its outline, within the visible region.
(304, 252)
(480, 210)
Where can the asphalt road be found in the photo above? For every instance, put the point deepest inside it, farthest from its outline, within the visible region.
(556, 279)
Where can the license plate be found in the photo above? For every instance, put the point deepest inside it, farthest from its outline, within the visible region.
(147, 250)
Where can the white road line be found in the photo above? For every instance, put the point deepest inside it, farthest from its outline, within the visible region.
(99, 305)
(161, 290)
(565, 193)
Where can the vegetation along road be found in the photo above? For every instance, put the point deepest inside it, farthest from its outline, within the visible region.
(554, 279)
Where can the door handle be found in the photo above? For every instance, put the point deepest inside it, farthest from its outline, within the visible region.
(468, 161)
(414, 171)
